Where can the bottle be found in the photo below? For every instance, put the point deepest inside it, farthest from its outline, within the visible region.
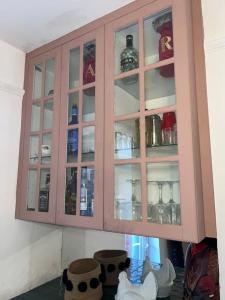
(153, 131)
(89, 63)
(72, 144)
(129, 56)
(83, 200)
(44, 195)
(163, 25)
(71, 193)
(74, 115)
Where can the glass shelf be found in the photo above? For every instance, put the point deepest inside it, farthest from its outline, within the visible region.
(162, 150)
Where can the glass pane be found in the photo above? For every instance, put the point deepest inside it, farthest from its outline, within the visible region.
(35, 117)
(161, 135)
(48, 114)
(88, 143)
(46, 148)
(127, 139)
(163, 193)
(49, 76)
(89, 105)
(44, 190)
(127, 95)
(72, 145)
(89, 62)
(159, 90)
(158, 37)
(71, 191)
(73, 104)
(87, 191)
(128, 192)
(37, 81)
(34, 149)
(126, 49)
(74, 72)
(31, 189)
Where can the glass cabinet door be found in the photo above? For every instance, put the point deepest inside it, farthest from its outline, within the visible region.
(40, 138)
(81, 133)
(144, 141)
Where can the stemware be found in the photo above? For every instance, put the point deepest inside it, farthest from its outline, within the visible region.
(136, 205)
(160, 206)
(173, 208)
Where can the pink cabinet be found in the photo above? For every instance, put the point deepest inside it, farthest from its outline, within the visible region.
(61, 168)
(110, 130)
(80, 172)
(152, 159)
(36, 190)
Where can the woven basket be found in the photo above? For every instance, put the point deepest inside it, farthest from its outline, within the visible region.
(82, 280)
(112, 263)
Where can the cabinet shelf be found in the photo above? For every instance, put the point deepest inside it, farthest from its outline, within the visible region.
(162, 150)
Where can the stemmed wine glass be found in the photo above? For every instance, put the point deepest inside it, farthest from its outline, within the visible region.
(173, 209)
(160, 206)
(136, 205)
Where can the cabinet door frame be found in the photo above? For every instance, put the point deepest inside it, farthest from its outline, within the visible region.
(21, 210)
(95, 222)
(192, 213)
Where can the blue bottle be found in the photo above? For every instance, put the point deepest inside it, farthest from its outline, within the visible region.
(74, 114)
(72, 143)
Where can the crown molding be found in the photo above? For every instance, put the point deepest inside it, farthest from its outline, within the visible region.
(214, 45)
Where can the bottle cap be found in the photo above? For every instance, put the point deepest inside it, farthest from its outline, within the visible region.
(129, 40)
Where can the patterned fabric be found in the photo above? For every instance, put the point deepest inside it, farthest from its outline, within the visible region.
(201, 280)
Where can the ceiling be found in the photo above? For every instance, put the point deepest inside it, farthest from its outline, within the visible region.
(30, 24)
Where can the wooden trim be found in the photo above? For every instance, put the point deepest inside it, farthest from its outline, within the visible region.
(129, 8)
(203, 119)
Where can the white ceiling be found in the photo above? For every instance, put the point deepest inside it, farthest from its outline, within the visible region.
(28, 24)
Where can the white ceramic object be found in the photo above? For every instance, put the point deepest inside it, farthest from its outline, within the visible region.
(45, 150)
(128, 291)
(164, 276)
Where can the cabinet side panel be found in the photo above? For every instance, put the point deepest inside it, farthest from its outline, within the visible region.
(203, 120)
(19, 172)
(190, 168)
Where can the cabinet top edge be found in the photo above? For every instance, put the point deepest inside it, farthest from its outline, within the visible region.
(94, 25)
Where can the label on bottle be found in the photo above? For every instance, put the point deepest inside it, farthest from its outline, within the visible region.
(128, 64)
(83, 198)
(83, 205)
(43, 201)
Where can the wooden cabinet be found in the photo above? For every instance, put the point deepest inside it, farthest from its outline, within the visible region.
(36, 192)
(80, 172)
(153, 182)
(62, 159)
(110, 135)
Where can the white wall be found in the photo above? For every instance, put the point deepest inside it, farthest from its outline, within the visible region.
(80, 243)
(30, 253)
(214, 25)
